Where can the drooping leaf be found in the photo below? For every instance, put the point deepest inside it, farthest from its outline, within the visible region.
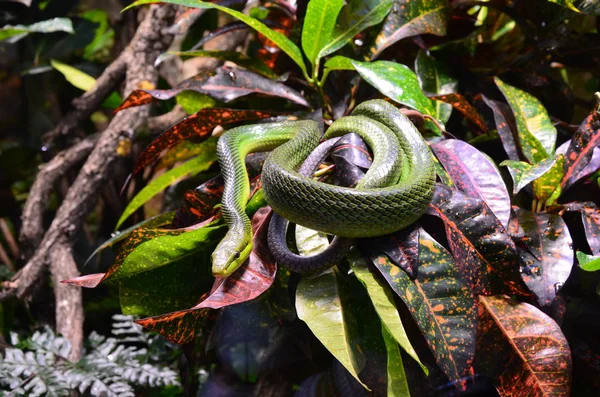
(86, 281)
(547, 188)
(522, 349)
(318, 304)
(225, 84)
(548, 258)
(435, 79)
(383, 302)
(192, 102)
(240, 59)
(351, 158)
(590, 216)
(485, 253)
(537, 134)
(589, 263)
(460, 103)
(506, 125)
(253, 278)
(524, 173)
(565, 3)
(396, 377)
(402, 248)
(201, 162)
(199, 125)
(318, 27)
(17, 32)
(474, 174)
(285, 44)
(411, 18)
(354, 18)
(177, 327)
(441, 303)
(584, 143)
(397, 82)
(589, 169)
(339, 62)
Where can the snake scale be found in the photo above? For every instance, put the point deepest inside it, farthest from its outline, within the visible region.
(394, 192)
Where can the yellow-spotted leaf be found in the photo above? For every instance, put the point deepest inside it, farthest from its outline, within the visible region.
(547, 187)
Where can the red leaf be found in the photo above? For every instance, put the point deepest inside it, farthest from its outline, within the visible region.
(198, 125)
(590, 216)
(461, 104)
(506, 126)
(178, 327)
(87, 281)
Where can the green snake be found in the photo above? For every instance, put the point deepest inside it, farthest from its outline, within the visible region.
(393, 194)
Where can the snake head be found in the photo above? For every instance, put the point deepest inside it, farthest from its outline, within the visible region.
(230, 255)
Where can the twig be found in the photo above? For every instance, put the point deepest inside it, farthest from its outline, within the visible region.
(10, 239)
(4, 258)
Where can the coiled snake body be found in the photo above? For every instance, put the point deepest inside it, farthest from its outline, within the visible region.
(393, 194)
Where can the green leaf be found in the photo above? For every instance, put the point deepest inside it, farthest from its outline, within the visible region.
(192, 101)
(435, 79)
(383, 301)
(396, 377)
(549, 183)
(198, 164)
(49, 26)
(318, 27)
(339, 62)
(285, 44)
(589, 263)
(537, 134)
(104, 35)
(524, 173)
(318, 304)
(309, 241)
(354, 18)
(565, 3)
(84, 82)
(397, 82)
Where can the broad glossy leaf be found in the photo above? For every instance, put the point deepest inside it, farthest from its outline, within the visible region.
(192, 102)
(318, 304)
(524, 173)
(396, 377)
(584, 143)
(460, 103)
(537, 134)
(441, 303)
(253, 278)
(383, 302)
(548, 258)
(435, 79)
(397, 82)
(589, 169)
(318, 27)
(339, 62)
(86, 281)
(411, 18)
(285, 44)
(522, 349)
(506, 125)
(485, 253)
(225, 84)
(351, 158)
(201, 162)
(589, 263)
(474, 174)
(590, 216)
(178, 327)
(17, 32)
(240, 59)
(199, 125)
(547, 188)
(354, 18)
(402, 248)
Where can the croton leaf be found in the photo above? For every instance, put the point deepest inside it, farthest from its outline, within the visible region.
(86, 281)
(318, 304)
(590, 216)
(506, 126)
(224, 84)
(474, 174)
(285, 44)
(589, 169)
(485, 253)
(351, 158)
(178, 327)
(201, 162)
(383, 302)
(565, 3)
(318, 27)
(547, 188)
(435, 79)
(589, 263)
(411, 18)
(402, 248)
(199, 125)
(460, 103)
(581, 148)
(396, 377)
(522, 349)
(524, 173)
(441, 303)
(548, 256)
(397, 82)
(537, 134)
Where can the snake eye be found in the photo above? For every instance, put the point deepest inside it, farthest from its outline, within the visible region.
(236, 255)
